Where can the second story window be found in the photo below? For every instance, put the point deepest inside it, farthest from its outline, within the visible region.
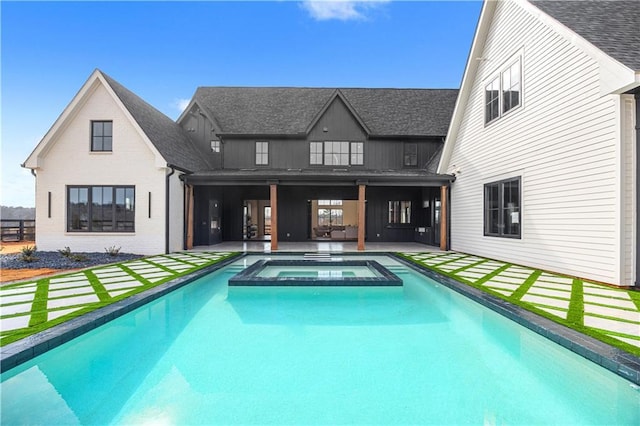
(336, 153)
(332, 153)
(410, 154)
(504, 92)
(215, 146)
(262, 153)
(101, 136)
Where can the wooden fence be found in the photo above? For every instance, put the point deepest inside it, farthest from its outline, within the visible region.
(18, 230)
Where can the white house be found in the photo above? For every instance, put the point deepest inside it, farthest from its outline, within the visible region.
(107, 174)
(543, 141)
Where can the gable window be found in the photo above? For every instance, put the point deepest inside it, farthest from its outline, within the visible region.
(262, 153)
(400, 212)
(315, 153)
(101, 136)
(502, 208)
(100, 209)
(410, 154)
(336, 153)
(357, 153)
(215, 146)
(504, 92)
(511, 87)
(333, 153)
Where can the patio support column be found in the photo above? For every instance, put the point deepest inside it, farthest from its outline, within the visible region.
(274, 216)
(443, 218)
(189, 242)
(361, 216)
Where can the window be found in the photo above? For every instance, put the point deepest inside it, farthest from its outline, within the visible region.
(329, 202)
(329, 217)
(357, 153)
(101, 135)
(262, 153)
(100, 208)
(511, 87)
(336, 153)
(504, 92)
(315, 153)
(410, 154)
(400, 212)
(215, 146)
(492, 100)
(502, 208)
(332, 153)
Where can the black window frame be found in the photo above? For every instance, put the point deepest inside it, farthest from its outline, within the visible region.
(498, 211)
(91, 217)
(99, 138)
(499, 101)
(397, 213)
(318, 157)
(412, 157)
(262, 154)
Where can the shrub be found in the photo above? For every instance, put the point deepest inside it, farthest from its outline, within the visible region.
(27, 254)
(79, 257)
(112, 251)
(66, 252)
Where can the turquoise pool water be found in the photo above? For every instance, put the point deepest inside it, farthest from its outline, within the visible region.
(417, 354)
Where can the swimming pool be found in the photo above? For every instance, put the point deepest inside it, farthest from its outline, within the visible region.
(208, 353)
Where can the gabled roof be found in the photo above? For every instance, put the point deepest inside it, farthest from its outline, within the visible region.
(163, 136)
(291, 110)
(611, 26)
(168, 137)
(576, 20)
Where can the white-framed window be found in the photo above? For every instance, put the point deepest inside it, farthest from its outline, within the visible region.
(215, 146)
(503, 92)
(262, 153)
(502, 208)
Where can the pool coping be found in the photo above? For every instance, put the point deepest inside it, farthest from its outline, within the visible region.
(23, 350)
(616, 360)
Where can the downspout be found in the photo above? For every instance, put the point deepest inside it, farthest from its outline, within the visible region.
(167, 215)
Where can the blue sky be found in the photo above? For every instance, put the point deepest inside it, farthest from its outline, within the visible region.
(163, 51)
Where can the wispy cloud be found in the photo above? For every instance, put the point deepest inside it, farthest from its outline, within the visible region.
(343, 10)
(181, 104)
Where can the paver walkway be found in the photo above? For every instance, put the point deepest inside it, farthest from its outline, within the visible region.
(31, 306)
(604, 310)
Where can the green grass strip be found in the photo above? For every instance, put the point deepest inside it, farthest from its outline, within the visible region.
(38, 321)
(526, 286)
(576, 305)
(39, 306)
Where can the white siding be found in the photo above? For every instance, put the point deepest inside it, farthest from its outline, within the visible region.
(69, 161)
(563, 141)
(629, 232)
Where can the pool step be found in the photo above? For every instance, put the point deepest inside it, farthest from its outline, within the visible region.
(317, 256)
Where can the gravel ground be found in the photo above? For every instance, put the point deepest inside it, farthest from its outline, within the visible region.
(55, 260)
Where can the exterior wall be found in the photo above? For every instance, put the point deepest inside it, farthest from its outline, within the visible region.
(176, 213)
(564, 143)
(629, 190)
(69, 161)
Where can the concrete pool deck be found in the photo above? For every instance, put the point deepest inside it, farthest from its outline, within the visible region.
(607, 311)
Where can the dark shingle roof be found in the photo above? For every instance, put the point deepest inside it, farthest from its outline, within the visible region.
(613, 26)
(165, 134)
(287, 110)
